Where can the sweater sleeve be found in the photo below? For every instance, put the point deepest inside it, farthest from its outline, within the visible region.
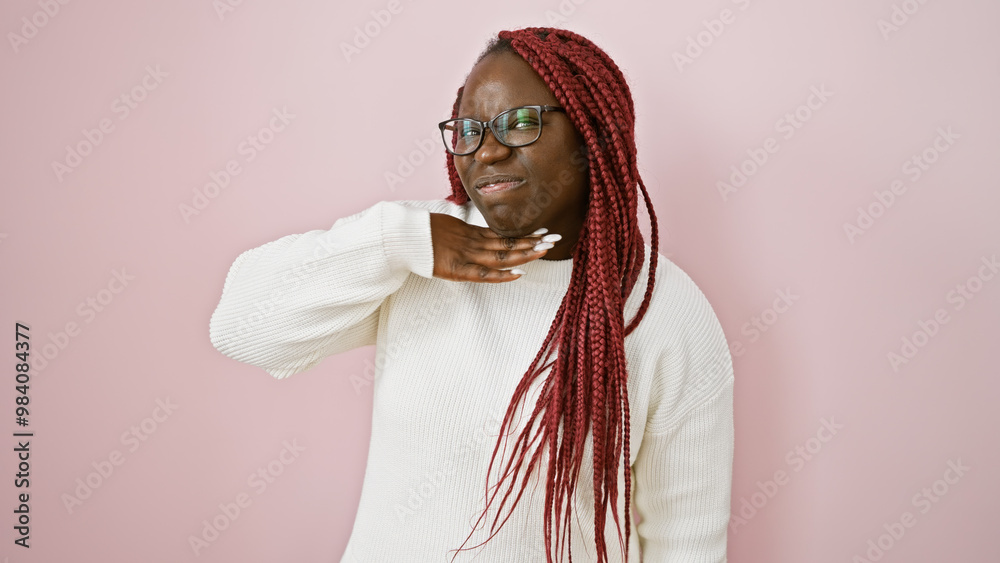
(683, 469)
(683, 485)
(291, 302)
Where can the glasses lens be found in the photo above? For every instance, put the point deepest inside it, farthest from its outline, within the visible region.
(518, 126)
(461, 135)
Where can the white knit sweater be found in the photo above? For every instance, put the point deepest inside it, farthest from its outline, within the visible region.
(448, 356)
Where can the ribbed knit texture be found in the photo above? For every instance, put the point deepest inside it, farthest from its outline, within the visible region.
(448, 357)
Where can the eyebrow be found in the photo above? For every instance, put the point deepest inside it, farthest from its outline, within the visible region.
(508, 109)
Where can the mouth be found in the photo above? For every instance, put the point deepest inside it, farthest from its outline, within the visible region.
(493, 184)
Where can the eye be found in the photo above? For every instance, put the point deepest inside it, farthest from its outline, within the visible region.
(467, 129)
(523, 119)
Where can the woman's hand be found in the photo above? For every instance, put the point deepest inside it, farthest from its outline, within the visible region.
(464, 252)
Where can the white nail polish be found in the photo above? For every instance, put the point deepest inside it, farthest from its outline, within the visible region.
(551, 238)
(517, 271)
(541, 231)
(543, 246)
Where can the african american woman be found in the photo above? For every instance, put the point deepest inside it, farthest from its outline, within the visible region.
(514, 344)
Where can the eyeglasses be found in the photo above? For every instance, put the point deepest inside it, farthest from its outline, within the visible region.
(515, 127)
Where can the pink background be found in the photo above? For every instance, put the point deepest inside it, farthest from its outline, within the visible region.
(824, 357)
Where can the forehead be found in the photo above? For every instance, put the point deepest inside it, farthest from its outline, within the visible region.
(500, 82)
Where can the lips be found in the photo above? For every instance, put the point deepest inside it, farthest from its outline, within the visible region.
(496, 183)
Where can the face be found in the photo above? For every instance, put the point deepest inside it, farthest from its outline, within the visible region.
(550, 175)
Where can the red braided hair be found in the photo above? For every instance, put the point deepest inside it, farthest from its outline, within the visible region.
(586, 388)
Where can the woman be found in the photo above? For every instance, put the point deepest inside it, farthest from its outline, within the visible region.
(515, 300)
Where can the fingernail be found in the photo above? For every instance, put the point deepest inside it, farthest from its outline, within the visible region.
(541, 231)
(551, 238)
(517, 271)
(543, 246)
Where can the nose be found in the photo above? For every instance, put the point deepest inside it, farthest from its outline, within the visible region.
(491, 150)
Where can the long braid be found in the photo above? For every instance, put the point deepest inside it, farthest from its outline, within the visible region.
(585, 391)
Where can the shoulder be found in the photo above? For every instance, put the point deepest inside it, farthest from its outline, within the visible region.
(682, 331)
(400, 206)
(437, 206)
(677, 302)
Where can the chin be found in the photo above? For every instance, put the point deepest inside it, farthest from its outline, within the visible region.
(500, 228)
(504, 224)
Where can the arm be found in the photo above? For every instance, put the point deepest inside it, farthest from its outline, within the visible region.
(289, 303)
(684, 464)
(683, 485)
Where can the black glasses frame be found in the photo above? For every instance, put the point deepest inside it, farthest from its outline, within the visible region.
(484, 125)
